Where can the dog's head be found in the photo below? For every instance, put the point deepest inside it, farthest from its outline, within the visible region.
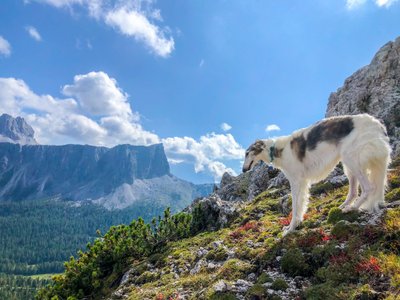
(256, 152)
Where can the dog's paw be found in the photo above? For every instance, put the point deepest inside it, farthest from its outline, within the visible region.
(287, 230)
(347, 208)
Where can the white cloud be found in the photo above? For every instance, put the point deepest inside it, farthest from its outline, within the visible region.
(97, 112)
(132, 18)
(353, 4)
(272, 127)
(225, 127)
(135, 24)
(71, 120)
(33, 33)
(201, 64)
(206, 153)
(98, 94)
(5, 47)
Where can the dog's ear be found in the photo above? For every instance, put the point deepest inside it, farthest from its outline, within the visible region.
(258, 147)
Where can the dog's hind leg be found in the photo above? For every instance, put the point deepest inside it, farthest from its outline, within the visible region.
(353, 188)
(378, 173)
(299, 204)
(366, 186)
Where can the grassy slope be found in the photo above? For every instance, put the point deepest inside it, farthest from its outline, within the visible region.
(332, 256)
(336, 259)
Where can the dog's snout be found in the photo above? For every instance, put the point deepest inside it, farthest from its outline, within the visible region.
(244, 170)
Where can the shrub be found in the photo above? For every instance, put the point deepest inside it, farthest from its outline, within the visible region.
(294, 263)
(257, 291)
(336, 214)
(279, 285)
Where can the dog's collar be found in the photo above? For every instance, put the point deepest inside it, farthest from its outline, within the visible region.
(272, 153)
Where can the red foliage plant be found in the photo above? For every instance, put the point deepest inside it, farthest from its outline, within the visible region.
(285, 221)
(160, 296)
(325, 236)
(249, 226)
(370, 265)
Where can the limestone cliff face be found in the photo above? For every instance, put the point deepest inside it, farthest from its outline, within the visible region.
(16, 130)
(374, 89)
(115, 178)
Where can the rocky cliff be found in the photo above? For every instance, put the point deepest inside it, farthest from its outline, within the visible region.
(77, 172)
(114, 177)
(16, 130)
(374, 89)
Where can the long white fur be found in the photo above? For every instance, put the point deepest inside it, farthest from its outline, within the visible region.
(364, 153)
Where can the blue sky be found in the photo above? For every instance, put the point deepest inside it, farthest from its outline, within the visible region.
(139, 72)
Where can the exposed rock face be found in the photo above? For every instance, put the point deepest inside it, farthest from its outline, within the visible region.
(113, 177)
(16, 130)
(246, 186)
(223, 205)
(78, 172)
(374, 89)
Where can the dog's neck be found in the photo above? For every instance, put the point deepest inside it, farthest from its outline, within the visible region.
(275, 151)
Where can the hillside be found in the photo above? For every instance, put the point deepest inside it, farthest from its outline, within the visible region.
(332, 256)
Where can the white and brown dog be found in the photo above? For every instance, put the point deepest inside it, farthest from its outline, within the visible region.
(308, 155)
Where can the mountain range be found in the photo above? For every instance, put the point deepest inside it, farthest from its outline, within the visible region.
(115, 178)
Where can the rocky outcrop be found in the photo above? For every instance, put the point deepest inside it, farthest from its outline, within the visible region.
(16, 130)
(222, 206)
(374, 89)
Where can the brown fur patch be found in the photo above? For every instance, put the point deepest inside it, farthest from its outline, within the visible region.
(278, 152)
(298, 145)
(331, 131)
(256, 148)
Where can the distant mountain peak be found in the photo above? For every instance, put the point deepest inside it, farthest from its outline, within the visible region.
(16, 131)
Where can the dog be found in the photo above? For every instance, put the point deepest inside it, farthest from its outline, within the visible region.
(308, 155)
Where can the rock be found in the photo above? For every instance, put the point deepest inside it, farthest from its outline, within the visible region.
(215, 213)
(251, 277)
(241, 286)
(201, 252)
(284, 205)
(197, 268)
(212, 266)
(279, 181)
(374, 89)
(125, 277)
(220, 286)
(226, 179)
(217, 244)
(16, 131)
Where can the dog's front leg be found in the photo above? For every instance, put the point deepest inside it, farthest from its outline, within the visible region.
(299, 205)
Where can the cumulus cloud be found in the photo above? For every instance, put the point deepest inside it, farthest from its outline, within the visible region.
(272, 127)
(32, 31)
(98, 94)
(5, 47)
(78, 119)
(96, 111)
(206, 153)
(137, 19)
(225, 127)
(353, 4)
